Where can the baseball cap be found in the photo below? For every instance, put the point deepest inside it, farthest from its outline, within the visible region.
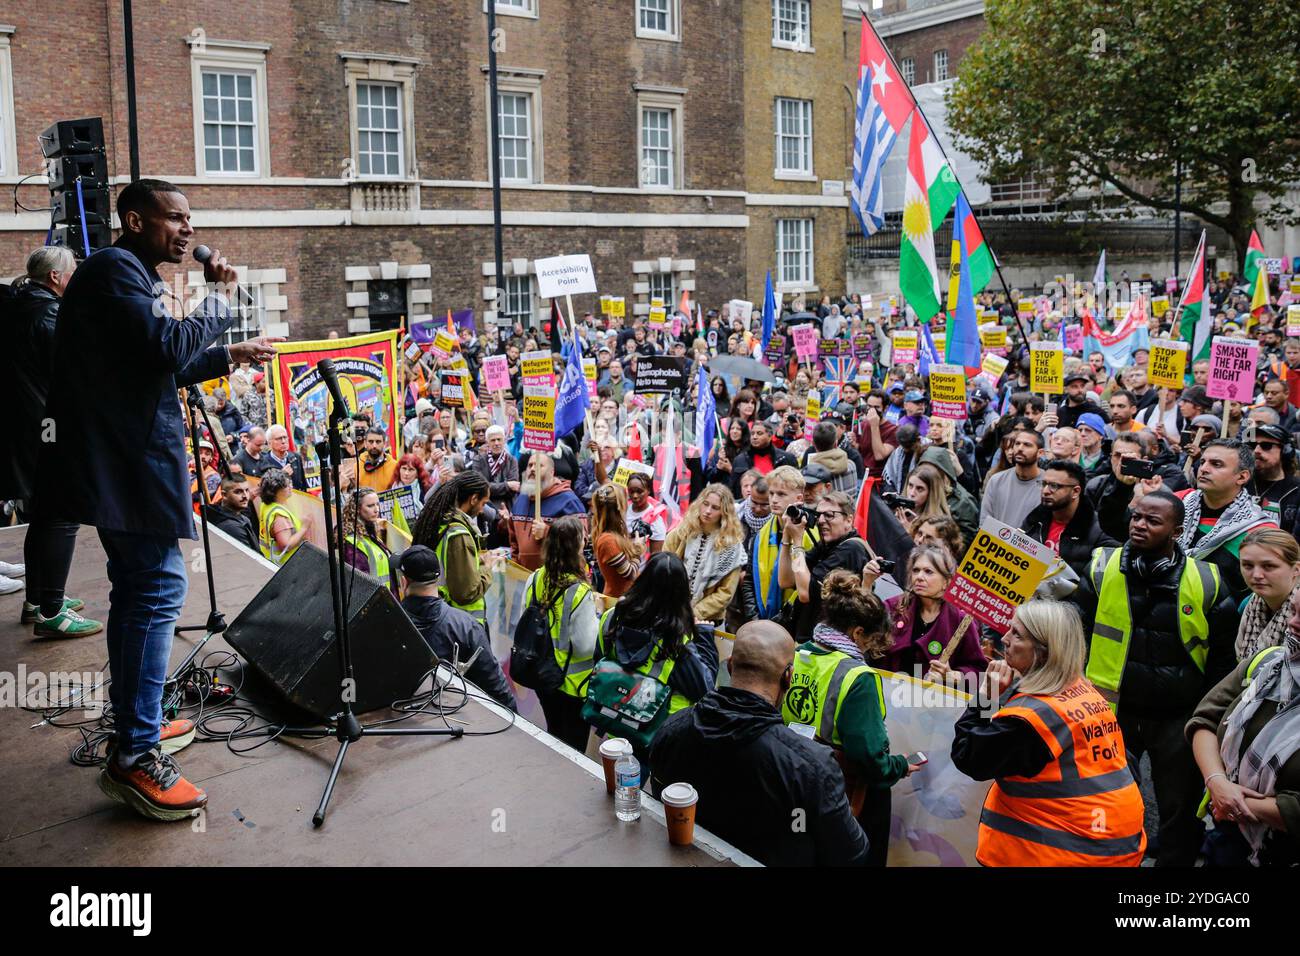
(204, 443)
(896, 387)
(981, 394)
(914, 396)
(1078, 375)
(1094, 421)
(1270, 433)
(420, 564)
(816, 474)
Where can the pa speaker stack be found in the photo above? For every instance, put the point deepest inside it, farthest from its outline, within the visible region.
(77, 163)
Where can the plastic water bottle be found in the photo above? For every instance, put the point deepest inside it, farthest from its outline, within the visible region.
(627, 788)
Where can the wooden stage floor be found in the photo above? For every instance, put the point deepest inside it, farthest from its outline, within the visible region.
(517, 798)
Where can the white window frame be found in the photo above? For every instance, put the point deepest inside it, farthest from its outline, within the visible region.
(937, 54)
(805, 281)
(401, 129)
(392, 70)
(780, 172)
(907, 67)
(799, 46)
(518, 82)
(525, 8)
(8, 126)
(660, 98)
(671, 299)
(231, 56)
(526, 280)
(674, 31)
(250, 319)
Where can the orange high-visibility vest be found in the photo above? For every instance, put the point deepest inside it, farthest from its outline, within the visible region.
(1083, 808)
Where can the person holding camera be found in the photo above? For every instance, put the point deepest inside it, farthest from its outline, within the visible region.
(762, 453)
(839, 547)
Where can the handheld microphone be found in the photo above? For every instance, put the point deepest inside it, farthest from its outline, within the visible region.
(330, 376)
(202, 254)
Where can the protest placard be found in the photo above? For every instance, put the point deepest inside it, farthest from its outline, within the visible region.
(1159, 305)
(1295, 285)
(400, 500)
(813, 413)
(862, 343)
(1232, 369)
(537, 368)
(1074, 338)
(998, 573)
(589, 372)
(617, 307)
(660, 375)
(893, 305)
(948, 392)
(1293, 321)
(496, 373)
(905, 342)
(739, 309)
(993, 366)
(863, 374)
(658, 314)
(1167, 363)
(539, 417)
(805, 341)
(564, 275)
(940, 340)
(626, 468)
(443, 343)
(774, 354)
(1025, 308)
(1046, 368)
(993, 337)
(453, 389)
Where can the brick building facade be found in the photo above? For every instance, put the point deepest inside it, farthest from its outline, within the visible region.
(339, 153)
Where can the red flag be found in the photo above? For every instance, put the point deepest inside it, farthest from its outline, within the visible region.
(634, 446)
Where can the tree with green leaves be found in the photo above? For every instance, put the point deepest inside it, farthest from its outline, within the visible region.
(1106, 99)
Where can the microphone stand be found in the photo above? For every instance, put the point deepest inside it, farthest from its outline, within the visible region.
(347, 729)
(216, 622)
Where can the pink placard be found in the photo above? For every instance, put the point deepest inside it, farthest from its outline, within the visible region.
(496, 372)
(805, 341)
(1232, 369)
(1074, 338)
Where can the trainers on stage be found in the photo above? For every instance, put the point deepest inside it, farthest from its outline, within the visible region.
(30, 611)
(12, 570)
(9, 585)
(152, 786)
(66, 624)
(175, 735)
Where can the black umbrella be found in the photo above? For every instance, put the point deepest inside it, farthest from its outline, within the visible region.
(738, 366)
(802, 318)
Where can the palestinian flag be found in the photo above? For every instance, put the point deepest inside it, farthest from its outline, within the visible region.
(916, 267)
(1193, 309)
(1254, 260)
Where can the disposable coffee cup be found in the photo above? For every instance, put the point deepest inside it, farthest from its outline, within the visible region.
(610, 750)
(679, 801)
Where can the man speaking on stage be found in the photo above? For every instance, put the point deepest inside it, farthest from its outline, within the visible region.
(117, 462)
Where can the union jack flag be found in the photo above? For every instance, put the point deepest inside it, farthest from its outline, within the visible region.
(840, 369)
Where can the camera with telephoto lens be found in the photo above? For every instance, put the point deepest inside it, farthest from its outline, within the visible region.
(802, 513)
(898, 501)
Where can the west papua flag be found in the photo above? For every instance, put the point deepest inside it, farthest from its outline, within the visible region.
(1117, 347)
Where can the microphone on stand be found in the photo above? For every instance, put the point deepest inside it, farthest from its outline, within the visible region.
(202, 254)
(330, 376)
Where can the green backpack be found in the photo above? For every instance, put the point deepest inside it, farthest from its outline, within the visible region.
(625, 703)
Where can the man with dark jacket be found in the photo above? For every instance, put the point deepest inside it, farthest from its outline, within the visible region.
(762, 454)
(230, 514)
(1161, 629)
(753, 774)
(117, 340)
(30, 319)
(451, 633)
(1066, 520)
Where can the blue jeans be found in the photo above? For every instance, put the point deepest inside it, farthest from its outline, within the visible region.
(149, 585)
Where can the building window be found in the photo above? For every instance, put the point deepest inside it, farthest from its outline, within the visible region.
(658, 19)
(657, 148)
(516, 8)
(379, 129)
(794, 251)
(908, 66)
(663, 285)
(940, 65)
(387, 306)
(250, 317)
(515, 128)
(8, 135)
(229, 124)
(231, 134)
(518, 301)
(794, 137)
(792, 24)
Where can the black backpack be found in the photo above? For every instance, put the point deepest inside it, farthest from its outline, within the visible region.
(532, 658)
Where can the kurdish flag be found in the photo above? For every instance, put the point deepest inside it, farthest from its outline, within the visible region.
(1193, 310)
(941, 184)
(1254, 259)
(916, 268)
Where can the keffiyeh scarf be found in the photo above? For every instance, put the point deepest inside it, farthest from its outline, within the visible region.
(1238, 518)
(706, 565)
(1261, 628)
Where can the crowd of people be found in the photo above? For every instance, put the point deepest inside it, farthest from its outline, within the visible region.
(819, 529)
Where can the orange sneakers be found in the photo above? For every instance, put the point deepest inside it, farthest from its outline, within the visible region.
(152, 786)
(175, 735)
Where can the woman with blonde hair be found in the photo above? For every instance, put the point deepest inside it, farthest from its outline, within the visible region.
(1054, 752)
(1270, 566)
(618, 556)
(710, 541)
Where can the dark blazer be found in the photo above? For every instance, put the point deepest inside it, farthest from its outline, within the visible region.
(118, 459)
(29, 318)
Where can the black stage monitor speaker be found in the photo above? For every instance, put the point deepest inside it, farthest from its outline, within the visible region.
(287, 635)
(99, 236)
(95, 202)
(67, 137)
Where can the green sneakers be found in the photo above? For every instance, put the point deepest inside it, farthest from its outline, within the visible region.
(66, 623)
(32, 611)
